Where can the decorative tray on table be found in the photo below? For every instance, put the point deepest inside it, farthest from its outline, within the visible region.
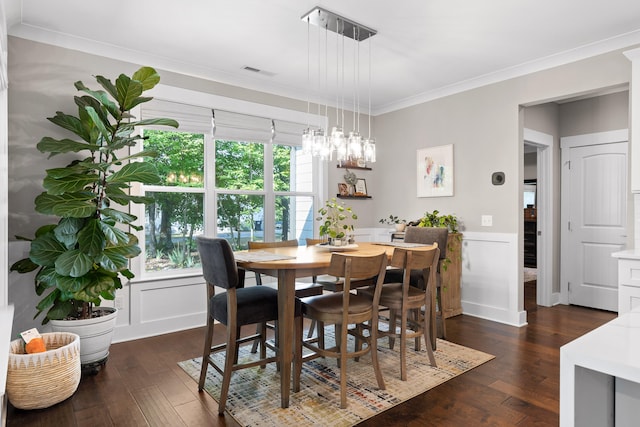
(336, 248)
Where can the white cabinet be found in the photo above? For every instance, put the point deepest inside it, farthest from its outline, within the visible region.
(628, 280)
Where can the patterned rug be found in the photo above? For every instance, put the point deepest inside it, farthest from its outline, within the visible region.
(254, 395)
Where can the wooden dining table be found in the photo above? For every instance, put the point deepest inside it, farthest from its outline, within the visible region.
(295, 262)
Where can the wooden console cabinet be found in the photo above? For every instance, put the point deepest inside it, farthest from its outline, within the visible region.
(451, 294)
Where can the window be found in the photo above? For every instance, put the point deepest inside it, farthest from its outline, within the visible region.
(238, 177)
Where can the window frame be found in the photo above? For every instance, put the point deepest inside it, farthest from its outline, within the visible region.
(199, 99)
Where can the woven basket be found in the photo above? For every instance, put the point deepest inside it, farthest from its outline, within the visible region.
(40, 380)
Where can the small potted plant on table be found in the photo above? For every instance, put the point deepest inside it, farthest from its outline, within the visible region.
(336, 222)
(395, 221)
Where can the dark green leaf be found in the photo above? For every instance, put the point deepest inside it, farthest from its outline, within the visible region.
(45, 279)
(45, 250)
(67, 231)
(60, 310)
(113, 234)
(73, 263)
(112, 260)
(69, 184)
(119, 216)
(103, 128)
(24, 266)
(48, 300)
(91, 239)
(55, 146)
(157, 122)
(102, 97)
(71, 123)
(108, 86)
(73, 284)
(75, 209)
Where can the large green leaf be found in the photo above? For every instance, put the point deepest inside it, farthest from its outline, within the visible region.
(147, 76)
(145, 173)
(112, 260)
(73, 284)
(60, 310)
(108, 86)
(70, 123)
(67, 231)
(119, 216)
(113, 234)
(104, 128)
(102, 97)
(75, 209)
(73, 263)
(55, 146)
(58, 173)
(45, 279)
(48, 300)
(69, 184)
(156, 122)
(91, 239)
(146, 153)
(128, 91)
(24, 266)
(45, 250)
(122, 198)
(86, 102)
(46, 203)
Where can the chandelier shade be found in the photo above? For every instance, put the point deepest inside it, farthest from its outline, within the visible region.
(348, 147)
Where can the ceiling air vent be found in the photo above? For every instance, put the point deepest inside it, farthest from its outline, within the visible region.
(258, 71)
(255, 70)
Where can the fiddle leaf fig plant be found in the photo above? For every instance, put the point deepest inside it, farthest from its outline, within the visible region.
(83, 257)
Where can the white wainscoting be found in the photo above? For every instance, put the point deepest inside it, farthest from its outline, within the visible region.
(490, 286)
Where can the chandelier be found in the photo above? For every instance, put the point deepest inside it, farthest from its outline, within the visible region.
(348, 147)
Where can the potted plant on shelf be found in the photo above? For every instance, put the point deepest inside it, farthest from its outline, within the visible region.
(82, 259)
(395, 221)
(336, 222)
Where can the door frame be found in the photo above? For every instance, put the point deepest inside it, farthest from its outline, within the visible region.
(566, 143)
(544, 223)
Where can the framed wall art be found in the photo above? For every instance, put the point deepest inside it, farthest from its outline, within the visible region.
(435, 171)
(361, 187)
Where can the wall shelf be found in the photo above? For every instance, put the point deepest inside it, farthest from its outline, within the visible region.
(352, 197)
(364, 168)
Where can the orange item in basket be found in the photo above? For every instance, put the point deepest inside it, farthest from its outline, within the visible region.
(36, 345)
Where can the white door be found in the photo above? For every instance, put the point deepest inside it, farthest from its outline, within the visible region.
(595, 178)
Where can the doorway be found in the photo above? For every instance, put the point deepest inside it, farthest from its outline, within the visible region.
(540, 145)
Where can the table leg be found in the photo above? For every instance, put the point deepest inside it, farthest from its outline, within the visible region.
(286, 308)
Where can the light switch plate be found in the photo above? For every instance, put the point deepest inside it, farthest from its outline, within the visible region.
(487, 220)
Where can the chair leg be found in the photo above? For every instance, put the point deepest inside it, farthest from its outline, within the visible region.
(426, 330)
(297, 356)
(374, 352)
(262, 328)
(254, 347)
(342, 360)
(392, 328)
(205, 354)
(320, 334)
(441, 309)
(403, 344)
(338, 335)
(232, 351)
(311, 328)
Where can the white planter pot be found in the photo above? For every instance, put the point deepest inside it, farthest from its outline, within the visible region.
(95, 334)
(400, 227)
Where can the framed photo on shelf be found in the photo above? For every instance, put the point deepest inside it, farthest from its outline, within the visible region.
(435, 171)
(361, 187)
(343, 189)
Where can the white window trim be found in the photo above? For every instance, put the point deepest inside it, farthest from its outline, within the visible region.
(207, 100)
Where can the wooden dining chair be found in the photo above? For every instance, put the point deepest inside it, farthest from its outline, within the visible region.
(235, 307)
(427, 235)
(407, 301)
(343, 309)
(303, 289)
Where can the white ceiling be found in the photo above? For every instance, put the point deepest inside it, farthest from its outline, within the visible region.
(424, 49)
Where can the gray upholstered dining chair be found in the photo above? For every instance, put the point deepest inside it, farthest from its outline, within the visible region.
(426, 235)
(407, 301)
(235, 307)
(343, 309)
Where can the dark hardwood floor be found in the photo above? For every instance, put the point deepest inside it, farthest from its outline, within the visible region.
(142, 384)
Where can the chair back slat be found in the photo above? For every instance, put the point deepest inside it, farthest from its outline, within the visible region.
(362, 267)
(428, 235)
(418, 260)
(262, 245)
(218, 263)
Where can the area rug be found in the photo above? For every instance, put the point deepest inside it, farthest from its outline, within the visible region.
(254, 395)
